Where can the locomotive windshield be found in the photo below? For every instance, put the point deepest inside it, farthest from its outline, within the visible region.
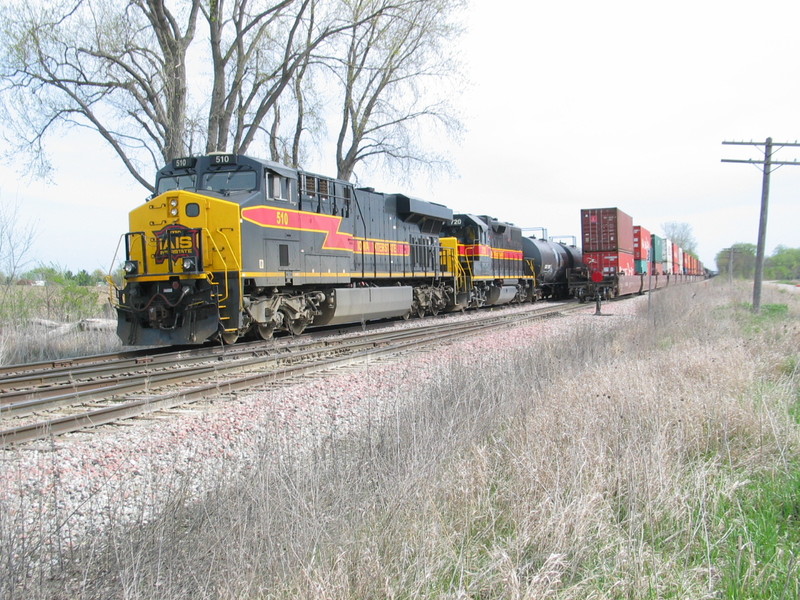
(176, 182)
(229, 181)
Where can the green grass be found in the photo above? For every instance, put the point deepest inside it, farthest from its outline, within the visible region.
(767, 317)
(758, 555)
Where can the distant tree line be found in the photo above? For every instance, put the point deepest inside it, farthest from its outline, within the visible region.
(51, 293)
(59, 276)
(739, 261)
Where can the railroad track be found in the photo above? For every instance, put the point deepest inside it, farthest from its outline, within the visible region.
(38, 403)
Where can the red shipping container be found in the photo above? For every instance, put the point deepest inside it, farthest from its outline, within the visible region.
(659, 268)
(605, 229)
(676, 265)
(610, 263)
(642, 240)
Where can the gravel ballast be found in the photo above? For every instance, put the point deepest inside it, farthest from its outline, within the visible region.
(83, 482)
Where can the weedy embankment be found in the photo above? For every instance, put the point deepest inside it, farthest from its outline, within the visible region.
(647, 456)
(43, 323)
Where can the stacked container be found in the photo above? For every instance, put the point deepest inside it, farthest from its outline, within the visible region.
(607, 235)
(688, 264)
(657, 255)
(667, 256)
(676, 261)
(642, 241)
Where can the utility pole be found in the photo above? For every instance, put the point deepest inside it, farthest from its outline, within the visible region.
(767, 167)
(732, 252)
(730, 266)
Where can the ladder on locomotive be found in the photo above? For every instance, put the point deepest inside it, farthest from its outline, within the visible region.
(220, 292)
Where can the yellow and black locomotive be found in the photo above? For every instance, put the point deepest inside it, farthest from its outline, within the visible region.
(230, 245)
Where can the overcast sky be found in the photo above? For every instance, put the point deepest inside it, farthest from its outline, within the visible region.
(569, 105)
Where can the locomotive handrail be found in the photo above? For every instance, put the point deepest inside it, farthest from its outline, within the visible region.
(462, 274)
(227, 241)
(224, 264)
(532, 267)
(128, 246)
(109, 279)
(113, 298)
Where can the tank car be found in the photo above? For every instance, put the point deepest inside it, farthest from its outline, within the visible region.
(551, 261)
(231, 245)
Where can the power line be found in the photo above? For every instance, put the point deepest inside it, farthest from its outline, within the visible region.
(767, 166)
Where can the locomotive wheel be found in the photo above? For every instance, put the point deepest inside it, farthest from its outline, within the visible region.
(294, 326)
(265, 331)
(420, 311)
(229, 337)
(297, 326)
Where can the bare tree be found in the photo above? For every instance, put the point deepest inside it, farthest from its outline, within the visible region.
(122, 69)
(383, 65)
(289, 141)
(16, 241)
(250, 70)
(117, 68)
(681, 234)
(259, 52)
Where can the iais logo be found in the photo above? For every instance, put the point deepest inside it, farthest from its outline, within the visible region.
(175, 242)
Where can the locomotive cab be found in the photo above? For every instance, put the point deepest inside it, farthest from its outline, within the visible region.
(183, 254)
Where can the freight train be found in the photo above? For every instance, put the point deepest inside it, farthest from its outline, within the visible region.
(231, 246)
(620, 258)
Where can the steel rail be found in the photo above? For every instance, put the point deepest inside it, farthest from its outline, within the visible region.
(49, 372)
(347, 351)
(21, 403)
(97, 376)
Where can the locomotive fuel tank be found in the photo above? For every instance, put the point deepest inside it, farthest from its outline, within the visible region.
(351, 305)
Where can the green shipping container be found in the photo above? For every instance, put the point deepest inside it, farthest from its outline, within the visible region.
(657, 253)
(641, 267)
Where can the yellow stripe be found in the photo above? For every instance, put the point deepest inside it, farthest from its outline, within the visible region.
(504, 278)
(346, 275)
(163, 277)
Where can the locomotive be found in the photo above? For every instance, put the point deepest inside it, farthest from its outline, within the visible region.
(231, 246)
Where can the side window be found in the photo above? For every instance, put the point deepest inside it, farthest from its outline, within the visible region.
(346, 195)
(277, 186)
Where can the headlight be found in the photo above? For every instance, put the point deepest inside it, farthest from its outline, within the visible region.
(173, 212)
(173, 202)
(189, 264)
(131, 267)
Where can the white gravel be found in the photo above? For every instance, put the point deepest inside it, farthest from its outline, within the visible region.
(84, 481)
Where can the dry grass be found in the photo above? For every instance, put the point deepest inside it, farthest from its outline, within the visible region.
(597, 465)
(28, 316)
